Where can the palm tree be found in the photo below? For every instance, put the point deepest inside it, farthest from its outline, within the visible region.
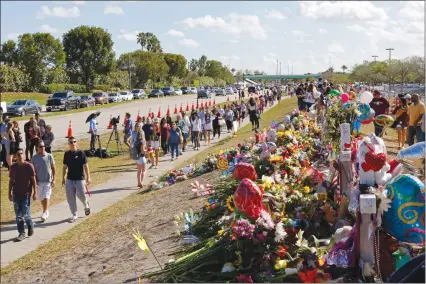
(233, 70)
(344, 68)
(142, 39)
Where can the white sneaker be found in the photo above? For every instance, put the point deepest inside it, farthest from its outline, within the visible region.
(43, 217)
(47, 214)
(173, 159)
(73, 219)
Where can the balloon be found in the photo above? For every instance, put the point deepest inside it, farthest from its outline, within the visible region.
(405, 220)
(281, 127)
(357, 125)
(416, 151)
(384, 120)
(367, 113)
(248, 199)
(367, 121)
(366, 97)
(334, 93)
(244, 170)
(352, 95)
(347, 105)
(344, 97)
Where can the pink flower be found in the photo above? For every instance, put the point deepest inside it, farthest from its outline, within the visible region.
(244, 279)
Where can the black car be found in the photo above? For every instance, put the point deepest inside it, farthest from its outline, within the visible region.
(168, 91)
(186, 90)
(23, 107)
(155, 93)
(87, 101)
(205, 94)
(63, 101)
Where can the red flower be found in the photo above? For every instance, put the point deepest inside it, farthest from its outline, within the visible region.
(281, 251)
(244, 279)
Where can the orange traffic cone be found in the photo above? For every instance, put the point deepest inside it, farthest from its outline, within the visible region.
(138, 117)
(110, 122)
(214, 102)
(175, 112)
(192, 107)
(69, 131)
(180, 110)
(227, 99)
(187, 107)
(168, 111)
(159, 112)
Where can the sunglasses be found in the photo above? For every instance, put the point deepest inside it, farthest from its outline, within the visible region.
(72, 142)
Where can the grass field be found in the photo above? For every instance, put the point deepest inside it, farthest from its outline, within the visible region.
(83, 232)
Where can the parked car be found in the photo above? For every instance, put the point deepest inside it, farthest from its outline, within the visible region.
(127, 95)
(186, 90)
(155, 93)
(63, 101)
(22, 108)
(220, 92)
(229, 91)
(168, 91)
(139, 94)
(178, 92)
(194, 90)
(205, 94)
(114, 97)
(100, 98)
(235, 90)
(87, 101)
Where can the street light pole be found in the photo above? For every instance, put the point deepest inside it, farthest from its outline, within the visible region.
(374, 56)
(390, 60)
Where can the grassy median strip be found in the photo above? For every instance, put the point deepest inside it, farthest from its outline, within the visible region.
(83, 234)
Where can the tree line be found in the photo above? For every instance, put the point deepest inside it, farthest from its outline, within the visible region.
(84, 60)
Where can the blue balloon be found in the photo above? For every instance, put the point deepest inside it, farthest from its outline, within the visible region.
(347, 105)
(405, 220)
(357, 125)
(416, 151)
(366, 112)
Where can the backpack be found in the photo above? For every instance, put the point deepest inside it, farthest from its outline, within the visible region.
(135, 150)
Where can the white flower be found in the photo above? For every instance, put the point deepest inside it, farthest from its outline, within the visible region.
(280, 233)
(301, 242)
(384, 202)
(228, 267)
(265, 220)
(289, 271)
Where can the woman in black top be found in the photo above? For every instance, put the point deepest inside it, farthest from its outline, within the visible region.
(300, 94)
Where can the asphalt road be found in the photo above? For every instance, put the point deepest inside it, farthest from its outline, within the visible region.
(80, 127)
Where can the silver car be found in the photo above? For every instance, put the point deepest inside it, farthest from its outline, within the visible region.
(220, 92)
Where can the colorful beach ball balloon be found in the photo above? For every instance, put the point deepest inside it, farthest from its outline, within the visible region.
(405, 220)
(384, 120)
(367, 113)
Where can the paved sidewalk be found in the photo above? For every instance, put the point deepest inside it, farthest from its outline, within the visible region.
(102, 196)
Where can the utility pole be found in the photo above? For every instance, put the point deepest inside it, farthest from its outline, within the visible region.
(277, 66)
(280, 67)
(390, 60)
(375, 57)
(291, 69)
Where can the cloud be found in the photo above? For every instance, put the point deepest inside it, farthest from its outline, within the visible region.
(60, 12)
(78, 2)
(227, 58)
(335, 47)
(413, 10)
(322, 31)
(174, 32)
(48, 29)
(299, 33)
(189, 42)
(112, 9)
(274, 14)
(232, 24)
(271, 58)
(342, 10)
(356, 28)
(130, 36)
(13, 36)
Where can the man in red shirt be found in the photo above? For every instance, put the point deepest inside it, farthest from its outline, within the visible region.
(380, 106)
(22, 186)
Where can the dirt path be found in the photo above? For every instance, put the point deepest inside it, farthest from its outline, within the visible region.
(102, 262)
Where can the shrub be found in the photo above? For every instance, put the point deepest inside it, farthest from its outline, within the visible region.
(103, 88)
(51, 88)
(12, 79)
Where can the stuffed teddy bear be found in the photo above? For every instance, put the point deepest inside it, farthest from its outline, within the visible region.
(271, 136)
(373, 168)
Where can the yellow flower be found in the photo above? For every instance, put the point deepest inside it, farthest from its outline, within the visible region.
(220, 232)
(140, 241)
(229, 205)
(222, 164)
(306, 190)
(280, 264)
(321, 196)
(320, 261)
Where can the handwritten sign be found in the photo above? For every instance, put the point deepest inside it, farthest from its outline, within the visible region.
(367, 203)
(345, 135)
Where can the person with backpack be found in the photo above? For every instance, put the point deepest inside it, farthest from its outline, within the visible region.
(138, 152)
(175, 139)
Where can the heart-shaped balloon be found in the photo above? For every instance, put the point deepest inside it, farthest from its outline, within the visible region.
(405, 220)
(248, 199)
(374, 162)
(245, 170)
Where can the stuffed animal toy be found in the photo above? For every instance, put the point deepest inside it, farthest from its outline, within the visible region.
(271, 136)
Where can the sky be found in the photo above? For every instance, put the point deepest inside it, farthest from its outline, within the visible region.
(305, 36)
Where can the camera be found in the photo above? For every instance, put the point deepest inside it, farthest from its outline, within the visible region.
(115, 120)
